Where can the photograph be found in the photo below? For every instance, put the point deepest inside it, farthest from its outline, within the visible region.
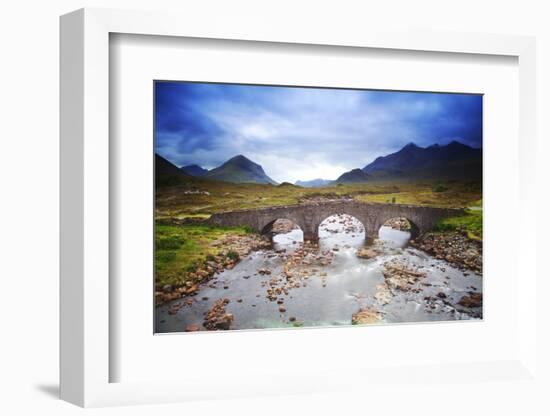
(297, 207)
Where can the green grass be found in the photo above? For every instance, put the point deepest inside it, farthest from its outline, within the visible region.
(170, 242)
(181, 250)
(471, 222)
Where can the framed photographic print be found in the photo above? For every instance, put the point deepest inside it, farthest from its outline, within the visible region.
(233, 190)
(318, 233)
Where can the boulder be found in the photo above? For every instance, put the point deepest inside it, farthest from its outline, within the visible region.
(365, 316)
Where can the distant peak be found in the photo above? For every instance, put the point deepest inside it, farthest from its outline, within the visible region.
(241, 160)
(410, 145)
(434, 146)
(456, 143)
(239, 157)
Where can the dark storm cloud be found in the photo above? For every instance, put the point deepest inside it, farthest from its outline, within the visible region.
(305, 133)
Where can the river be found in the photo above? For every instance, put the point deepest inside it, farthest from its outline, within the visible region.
(328, 285)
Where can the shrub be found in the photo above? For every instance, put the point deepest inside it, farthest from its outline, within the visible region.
(233, 255)
(248, 229)
(169, 243)
(440, 188)
(165, 256)
(192, 267)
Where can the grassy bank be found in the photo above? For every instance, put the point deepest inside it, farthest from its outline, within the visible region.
(181, 250)
(471, 222)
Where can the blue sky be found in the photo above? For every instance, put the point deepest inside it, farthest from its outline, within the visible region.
(304, 133)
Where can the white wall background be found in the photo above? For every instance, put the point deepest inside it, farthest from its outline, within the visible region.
(29, 204)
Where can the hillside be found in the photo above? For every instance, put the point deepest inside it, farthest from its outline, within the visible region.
(353, 176)
(166, 173)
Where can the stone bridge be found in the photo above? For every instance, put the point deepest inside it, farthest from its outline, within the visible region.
(309, 216)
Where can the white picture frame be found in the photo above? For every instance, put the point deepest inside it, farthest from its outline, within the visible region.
(85, 211)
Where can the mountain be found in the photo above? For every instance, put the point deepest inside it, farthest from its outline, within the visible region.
(166, 173)
(194, 170)
(314, 183)
(353, 176)
(239, 169)
(452, 161)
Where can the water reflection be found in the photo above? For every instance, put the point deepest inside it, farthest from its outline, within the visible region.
(394, 238)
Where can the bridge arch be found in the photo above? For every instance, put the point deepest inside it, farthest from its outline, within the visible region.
(338, 213)
(267, 229)
(414, 229)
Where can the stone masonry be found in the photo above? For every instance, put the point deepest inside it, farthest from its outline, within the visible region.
(309, 216)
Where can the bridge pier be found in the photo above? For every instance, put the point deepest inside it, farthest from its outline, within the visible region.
(312, 237)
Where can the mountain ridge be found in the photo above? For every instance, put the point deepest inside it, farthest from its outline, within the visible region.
(353, 176)
(454, 160)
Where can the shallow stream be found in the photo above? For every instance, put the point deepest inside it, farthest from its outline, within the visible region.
(329, 294)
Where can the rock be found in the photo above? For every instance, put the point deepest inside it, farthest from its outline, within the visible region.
(383, 294)
(473, 300)
(191, 289)
(399, 276)
(441, 295)
(225, 322)
(366, 253)
(365, 316)
(192, 328)
(292, 319)
(167, 288)
(217, 318)
(282, 309)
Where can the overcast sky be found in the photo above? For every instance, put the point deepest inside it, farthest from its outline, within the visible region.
(304, 133)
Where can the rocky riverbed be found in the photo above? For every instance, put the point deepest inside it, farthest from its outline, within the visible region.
(455, 247)
(339, 281)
